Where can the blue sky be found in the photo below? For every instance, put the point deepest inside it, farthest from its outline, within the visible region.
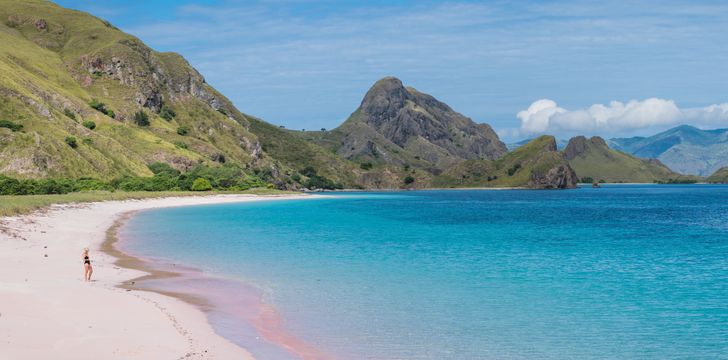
(559, 67)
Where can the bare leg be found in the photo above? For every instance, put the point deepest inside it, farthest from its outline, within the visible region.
(90, 271)
(86, 272)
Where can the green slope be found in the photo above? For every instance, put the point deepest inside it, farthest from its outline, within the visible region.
(55, 61)
(592, 158)
(536, 164)
(719, 177)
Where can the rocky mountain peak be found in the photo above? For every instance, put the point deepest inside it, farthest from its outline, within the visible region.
(578, 145)
(384, 99)
(401, 118)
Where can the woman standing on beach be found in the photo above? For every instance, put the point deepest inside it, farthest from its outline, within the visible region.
(87, 269)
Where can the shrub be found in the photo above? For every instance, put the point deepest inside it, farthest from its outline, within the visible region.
(89, 124)
(201, 184)
(180, 144)
(69, 113)
(218, 157)
(587, 180)
(87, 141)
(409, 180)
(99, 106)
(90, 184)
(308, 171)
(321, 182)
(141, 118)
(514, 169)
(366, 166)
(183, 130)
(71, 141)
(167, 113)
(10, 125)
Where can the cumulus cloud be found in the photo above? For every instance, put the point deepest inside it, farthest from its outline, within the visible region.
(546, 115)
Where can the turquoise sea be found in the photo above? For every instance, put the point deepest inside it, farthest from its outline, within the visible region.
(620, 272)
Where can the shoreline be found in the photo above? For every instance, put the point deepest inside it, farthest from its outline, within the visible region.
(48, 311)
(184, 283)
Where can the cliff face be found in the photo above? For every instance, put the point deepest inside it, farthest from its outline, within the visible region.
(398, 125)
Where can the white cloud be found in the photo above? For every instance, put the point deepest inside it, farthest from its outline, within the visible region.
(545, 116)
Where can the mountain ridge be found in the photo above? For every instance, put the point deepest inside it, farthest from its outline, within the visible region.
(685, 149)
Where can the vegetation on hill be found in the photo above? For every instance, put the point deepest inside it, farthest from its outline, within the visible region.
(536, 164)
(79, 98)
(165, 178)
(719, 177)
(592, 159)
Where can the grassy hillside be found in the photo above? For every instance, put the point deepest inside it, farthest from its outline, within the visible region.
(536, 164)
(592, 159)
(297, 154)
(73, 85)
(719, 177)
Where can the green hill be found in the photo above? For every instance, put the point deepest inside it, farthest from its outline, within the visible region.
(719, 177)
(59, 64)
(593, 160)
(536, 164)
(79, 98)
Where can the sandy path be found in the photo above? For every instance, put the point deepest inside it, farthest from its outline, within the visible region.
(47, 311)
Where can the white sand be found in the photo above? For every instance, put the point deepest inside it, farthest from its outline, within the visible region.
(47, 311)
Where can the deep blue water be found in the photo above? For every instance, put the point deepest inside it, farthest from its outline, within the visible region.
(621, 272)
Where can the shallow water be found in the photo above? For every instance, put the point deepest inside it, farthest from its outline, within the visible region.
(621, 272)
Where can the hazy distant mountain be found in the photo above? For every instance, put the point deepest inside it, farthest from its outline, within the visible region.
(684, 149)
(592, 158)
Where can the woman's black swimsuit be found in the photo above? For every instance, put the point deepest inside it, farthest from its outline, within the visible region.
(86, 260)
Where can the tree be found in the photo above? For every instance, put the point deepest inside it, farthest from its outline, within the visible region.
(183, 130)
(201, 184)
(141, 118)
(409, 180)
